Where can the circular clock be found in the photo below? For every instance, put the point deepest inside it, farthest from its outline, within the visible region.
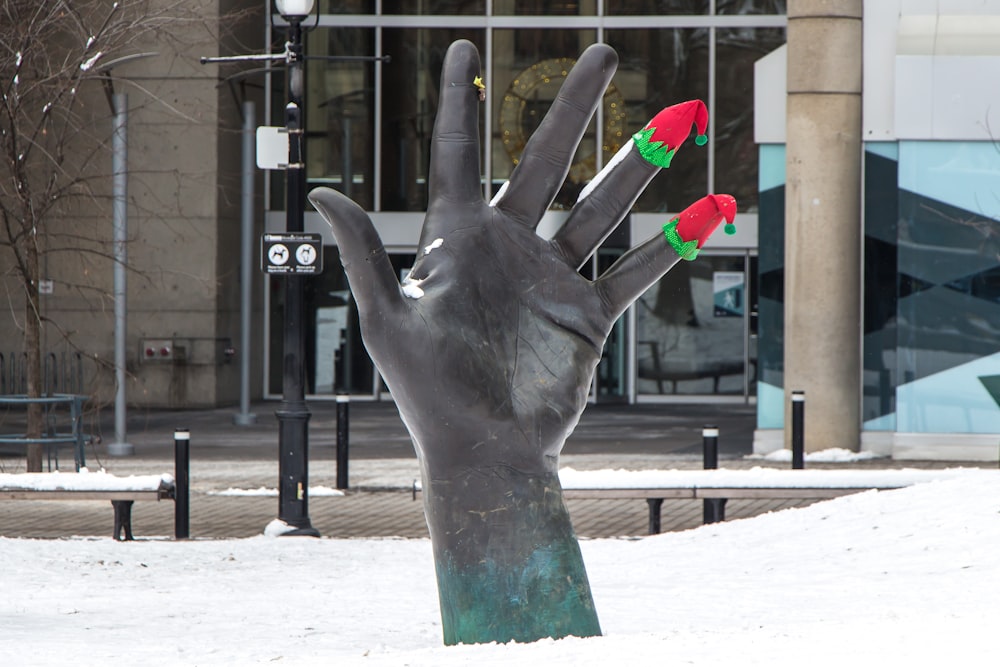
(528, 98)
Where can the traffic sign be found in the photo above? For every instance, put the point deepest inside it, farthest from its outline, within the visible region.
(298, 253)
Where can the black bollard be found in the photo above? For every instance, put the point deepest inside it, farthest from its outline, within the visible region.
(798, 430)
(710, 447)
(182, 484)
(343, 438)
(655, 504)
(714, 509)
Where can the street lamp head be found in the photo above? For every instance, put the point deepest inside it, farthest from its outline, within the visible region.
(294, 9)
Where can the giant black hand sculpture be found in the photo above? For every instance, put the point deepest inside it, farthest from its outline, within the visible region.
(490, 344)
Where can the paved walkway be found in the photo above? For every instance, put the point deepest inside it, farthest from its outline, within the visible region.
(381, 472)
(378, 514)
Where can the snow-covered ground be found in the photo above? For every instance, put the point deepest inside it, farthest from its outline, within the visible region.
(905, 577)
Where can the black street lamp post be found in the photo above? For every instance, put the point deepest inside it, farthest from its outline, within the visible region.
(293, 414)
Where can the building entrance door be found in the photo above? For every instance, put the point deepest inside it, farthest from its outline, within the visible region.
(335, 357)
(693, 330)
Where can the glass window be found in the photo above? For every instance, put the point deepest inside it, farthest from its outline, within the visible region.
(340, 113)
(346, 6)
(689, 329)
(751, 6)
(545, 7)
(335, 357)
(655, 7)
(735, 151)
(529, 66)
(434, 7)
(658, 68)
(409, 105)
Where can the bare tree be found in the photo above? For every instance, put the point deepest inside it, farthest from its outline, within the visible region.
(55, 138)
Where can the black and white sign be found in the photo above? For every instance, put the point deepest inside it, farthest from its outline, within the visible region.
(298, 253)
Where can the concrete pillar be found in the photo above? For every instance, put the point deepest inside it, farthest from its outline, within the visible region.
(823, 233)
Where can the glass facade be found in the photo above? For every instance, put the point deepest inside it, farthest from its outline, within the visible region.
(340, 122)
(409, 94)
(530, 66)
(735, 167)
(545, 7)
(690, 330)
(369, 126)
(931, 347)
(659, 68)
(945, 364)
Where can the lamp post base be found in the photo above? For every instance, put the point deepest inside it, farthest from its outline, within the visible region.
(293, 469)
(121, 449)
(245, 419)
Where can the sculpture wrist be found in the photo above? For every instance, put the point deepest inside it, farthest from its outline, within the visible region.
(497, 578)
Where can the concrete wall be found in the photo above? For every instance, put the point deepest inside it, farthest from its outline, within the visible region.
(183, 226)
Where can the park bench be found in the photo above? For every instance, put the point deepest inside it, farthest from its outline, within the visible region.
(715, 487)
(121, 491)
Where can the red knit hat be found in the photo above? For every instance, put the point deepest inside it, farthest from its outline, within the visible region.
(660, 139)
(688, 232)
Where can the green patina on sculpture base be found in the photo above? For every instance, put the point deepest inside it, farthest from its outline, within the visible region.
(547, 596)
(508, 564)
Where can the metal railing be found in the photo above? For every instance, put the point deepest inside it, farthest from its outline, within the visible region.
(52, 436)
(61, 373)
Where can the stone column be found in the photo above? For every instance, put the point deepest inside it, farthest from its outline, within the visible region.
(823, 220)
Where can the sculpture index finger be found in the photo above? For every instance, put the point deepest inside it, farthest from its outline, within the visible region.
(454, 162)
(371, 276)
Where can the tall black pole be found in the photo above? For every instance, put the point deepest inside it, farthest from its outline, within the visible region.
(293, 414)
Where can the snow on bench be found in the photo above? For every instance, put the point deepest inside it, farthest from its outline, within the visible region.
(717, 486)
(85, 485)
(747, 483)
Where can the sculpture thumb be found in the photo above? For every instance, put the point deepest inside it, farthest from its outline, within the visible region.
(369, 272)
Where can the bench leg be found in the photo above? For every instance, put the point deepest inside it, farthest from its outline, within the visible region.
(655, 504)
(715, 510)
(123, 519)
